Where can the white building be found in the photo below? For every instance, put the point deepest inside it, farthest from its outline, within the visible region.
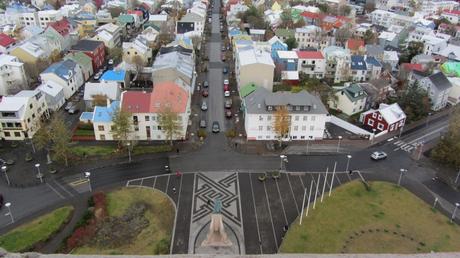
(438, 87)
(66, 73)
(308, 36)
(451, 15)
(12, 75)
(45, 17)
(307, 115)
(350, 100)
(54, 94)
(431, 7)
(114, 31)
(433, 44)
(311, 63)
(338, 62)
(110, 89)
(418, 32)
(20, 114)
(254, 66)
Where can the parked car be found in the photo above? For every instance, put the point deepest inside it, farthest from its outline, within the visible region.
(203, 123)
(215, 127)
(225, 70)
(110, 62)
(205, 93)
(226, 82)
(223, 48)
(97, 76)
(204, 106)
(73, 110)
(227, 93)
(228, 114)
(223, 57)
(378, 155)
(68, 105)
(1, 201)
(205, 84)
(228, 103)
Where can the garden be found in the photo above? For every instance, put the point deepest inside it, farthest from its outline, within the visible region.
(382, 219)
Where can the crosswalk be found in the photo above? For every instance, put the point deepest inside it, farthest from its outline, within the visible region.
(407, 147)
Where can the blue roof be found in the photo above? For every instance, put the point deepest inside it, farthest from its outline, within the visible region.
(357, 63)
(103, 114)
(62, 68)
(112, 75)
(371, 60)
(234, 32)
(86, 116)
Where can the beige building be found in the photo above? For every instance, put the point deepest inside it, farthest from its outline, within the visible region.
(254, 66)
(349, 99)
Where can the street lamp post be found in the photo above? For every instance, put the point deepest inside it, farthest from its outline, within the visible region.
(8, 206)
(455, 210)
(400, 131)
(373, 135)
(6, 175)
(458, 175)
(87, 176)
(283, 158)
(427, 119)
(348, 161)
(129, 151)
(39, 174)
(435, 201)
(401, 171)
(338, 144)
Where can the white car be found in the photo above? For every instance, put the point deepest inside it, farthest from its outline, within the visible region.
(378, 155)
(110, 62)
(227, 93)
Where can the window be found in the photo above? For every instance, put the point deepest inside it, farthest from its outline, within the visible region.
(102, 136)
(33, 115)
(302, 137)
(153, 118)
(312, 127)
(267, 137)
(370, 122)
(304, 127)
(305, 118)
(374, 115)
(380, 117)
(313, 118)
(261, 127)
(136, 128)
(269, 118)
(296, 117)
(159, 127)
(380, 126)
(269, 128)
(31, 106)
(17, 134)
(147, 118)
(392, 127)
(261, 118)
(296, 128)
(7, 134)
(100, 127)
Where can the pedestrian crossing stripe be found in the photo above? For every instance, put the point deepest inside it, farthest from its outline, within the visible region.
(399, 143)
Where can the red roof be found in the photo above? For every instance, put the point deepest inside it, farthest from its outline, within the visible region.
(453, 12)
(62, 26)
(136, 12)
(354, 44)
(6, 40)
(311, 15)
(310, 55)
(136, 101)
(169, 94)
(411, 67)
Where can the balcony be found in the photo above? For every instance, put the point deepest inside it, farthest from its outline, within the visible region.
(308, 65)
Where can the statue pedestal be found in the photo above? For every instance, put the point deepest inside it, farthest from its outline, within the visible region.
(216, 236)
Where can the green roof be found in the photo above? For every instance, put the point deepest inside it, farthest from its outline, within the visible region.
(247, 89)
(80, 58)
(451, 68)
(125, 18)
(285, 33)
(295, 14)
(354, 92)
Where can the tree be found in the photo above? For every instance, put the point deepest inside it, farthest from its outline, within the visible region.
(343, 34)
(448, 149)
(324, 8)
(344, 10)
(413, 48)
(115, 11)
(138, 63)
(315, 86)
(116, 54)
(99, 100)
(369, 6)
(370, 37)
(42, 137)
(281, 123)
(121, 128)
(170, 123)
(55, 56)
(291, 42)
(415, 102)
(60, 138)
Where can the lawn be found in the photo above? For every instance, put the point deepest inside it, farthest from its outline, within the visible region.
(82, 132)
(140, 149)
(386, 219)
(25, 237)
(160, 214)
(101, 150)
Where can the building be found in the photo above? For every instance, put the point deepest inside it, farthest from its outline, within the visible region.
(61, 30)
(307, 114)
(374, 68)
(191, 23)
(138, 48)
(66, 73)
(358, 68)
(175, 64)
(311, 63)
(451, 15)
(438, 86)
(112, 32)
(349, 100)
(391, 58)
(121, 77)
(284, 34)
(102, 120)
(377, 91)
(277, 45)
(6, 43)
(356, 46)
(454, 93)
(21, 114)
(48, 16)
(12, 75)
(338, 63)
(254, 66)
(308, 37)
(54, 94)
(93, 49)
(84, 61)
(30, 54)
(287, 60)
(388, 118)
(150, 34)
(432, 44)
(110, 89)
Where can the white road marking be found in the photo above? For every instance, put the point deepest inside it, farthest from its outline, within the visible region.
(271, 218)
(399, 143)
(430, 133)
(282, 204)
(301, 181)
(154, 182)
(292, 192)
(175, 221)
(167, 184)
(255, 212)
(54, 190)
(62, 187)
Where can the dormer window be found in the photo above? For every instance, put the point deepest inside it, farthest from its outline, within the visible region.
(269, 108)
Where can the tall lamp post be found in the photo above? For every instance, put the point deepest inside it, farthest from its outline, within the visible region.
(8, 206)
(129, 151)
(283, 158)
(6, 175)
(373, 135)
(338, 144)
(401, 172)
(39, 174)
(348, 161)
(87, 176)
(455, 210)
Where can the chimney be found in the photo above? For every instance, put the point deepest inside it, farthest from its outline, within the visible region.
(108, 102)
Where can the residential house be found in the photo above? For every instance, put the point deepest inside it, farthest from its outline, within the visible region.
(391, 58)
(140, 48)
(106, 38)
(110, 89)
(191, 23)
(438, 86)
(6, 43)
(54, 94)
(66, 73)
(307, 114)
(287, 60)
(454, 93)
(254, 66)
(417, 33)
(257, 34)
(311, 63)
(284, 34)
(388, 118)
(12, 75)
(86, 24)
(356, 46)
(308, 37)
(374, 68)
(277, 45)
(350, 99)
(32, 55)
(358, 68)
(451, 15)
(157, 20)
(113, 34)
(151, 35)
(121, 77)
(451, 52)
(176, 66)
(84, 61)
(388, 39)
(102, 118)
(61, 30)
(433, 44)
(20, 115)
(93, 49)
(126, 21)
(48, 16)
(338, 63)
(377, 92)
(375, 51)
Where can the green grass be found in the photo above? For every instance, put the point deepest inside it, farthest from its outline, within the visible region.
(140, 149)
(388, 215)
(97, 150)
(82, 132)
(24, 237)
(160, 215)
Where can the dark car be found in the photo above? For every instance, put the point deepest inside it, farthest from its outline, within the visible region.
(228, 114)
(228, 103)
(215, 127)
(205, 84)
(1, 201)
(225, 70)
(205, 93)
(73, 110)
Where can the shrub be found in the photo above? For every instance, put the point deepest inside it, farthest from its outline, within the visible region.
(201, 133)
(162, 247)
(231, 133)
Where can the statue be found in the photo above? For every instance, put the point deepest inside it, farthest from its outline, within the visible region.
(216, 236)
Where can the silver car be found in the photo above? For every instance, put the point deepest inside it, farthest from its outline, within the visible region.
(204, 106)
(378, 155)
